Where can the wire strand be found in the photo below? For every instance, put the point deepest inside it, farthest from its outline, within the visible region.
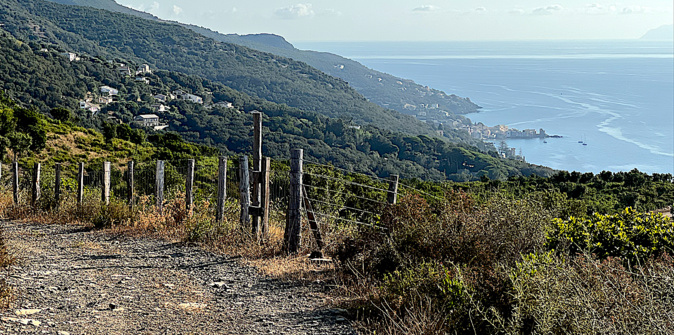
(347, 194)
(345, 170)
(341, 206)
(346, 220)
(346, 181)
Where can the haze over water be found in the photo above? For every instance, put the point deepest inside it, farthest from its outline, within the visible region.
(617, 96)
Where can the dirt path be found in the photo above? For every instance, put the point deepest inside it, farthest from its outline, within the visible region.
(70, 280)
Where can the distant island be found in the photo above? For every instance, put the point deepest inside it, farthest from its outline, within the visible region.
(662, 33)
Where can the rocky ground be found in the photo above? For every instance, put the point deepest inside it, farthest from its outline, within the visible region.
(71, 280)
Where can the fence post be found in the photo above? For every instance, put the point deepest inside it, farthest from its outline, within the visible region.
(105, 191)
(189, 186)
(266, 167)
(130, 182)
(15, 183)
(244, 190)
(222, 189)
(57, 185)
(257, 170)
(159, 186)
(80, 184)
(36, 184)
(294, 224)
(392, 197)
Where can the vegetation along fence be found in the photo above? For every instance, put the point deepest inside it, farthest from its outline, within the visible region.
(322, 197)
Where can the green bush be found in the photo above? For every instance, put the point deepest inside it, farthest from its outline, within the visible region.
(630, 235)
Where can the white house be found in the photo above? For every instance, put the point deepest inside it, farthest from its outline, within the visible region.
(144, 69)
(143, 79)
(124, 70)
(160, 97)
(159, 108)
(147, 120)
(71, 56)
(93, 108)
(194, 98)
(109, 90)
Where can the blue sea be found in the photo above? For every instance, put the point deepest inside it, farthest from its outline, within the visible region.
(615, 96)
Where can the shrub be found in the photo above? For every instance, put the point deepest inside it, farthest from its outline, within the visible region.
(630, 235)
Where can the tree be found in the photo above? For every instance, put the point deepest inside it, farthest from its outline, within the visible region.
(61, 114)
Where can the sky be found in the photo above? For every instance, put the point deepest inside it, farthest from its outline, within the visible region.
(419, 20)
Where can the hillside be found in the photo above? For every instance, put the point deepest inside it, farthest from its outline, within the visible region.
(85, 30)
(42, 77)
(662, 33)
(383, 89)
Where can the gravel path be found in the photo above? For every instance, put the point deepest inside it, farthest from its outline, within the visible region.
(70, 280)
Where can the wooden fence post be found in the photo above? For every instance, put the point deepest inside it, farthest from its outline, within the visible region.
(244, 191)
(57, 185)
(294, 224)
(266, 167)
(159, 186)
(105, 187)
(222, 189)
(80, 184)
(257, 168)
(392, 197)
(15, 183)
(36, 184)
(189, 186)
(129, 183)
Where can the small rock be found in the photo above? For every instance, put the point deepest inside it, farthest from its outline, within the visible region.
(112, 307)
(220, 284)
(192, 305)
(169, 285)
(61, 332)
(27, 311)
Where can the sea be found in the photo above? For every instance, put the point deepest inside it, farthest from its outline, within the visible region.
(611, 101)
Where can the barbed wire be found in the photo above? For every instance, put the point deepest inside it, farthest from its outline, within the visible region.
(346, 181)
(347, 194)
(343, 219)
(341, 206)
(420, 191)
(345, 170)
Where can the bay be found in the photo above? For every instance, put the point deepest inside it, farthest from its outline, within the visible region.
(617, 97)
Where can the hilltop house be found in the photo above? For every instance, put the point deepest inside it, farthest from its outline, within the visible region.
(71, 56)
(143, 69)
(109, 90)
(143, 79)
(124, 70)
(88, 106)
(160, 97)
(180, 94)
(159, 108)
(147, 120)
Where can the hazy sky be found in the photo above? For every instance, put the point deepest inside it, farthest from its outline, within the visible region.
(412, 20)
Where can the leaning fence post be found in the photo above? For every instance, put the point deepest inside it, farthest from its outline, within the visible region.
(294, 224)
(189, 186)
(130, 183)
(105, 191)
(15, 183)
(159, 186)
(244, 190)
(222, 189)
(80, 184)
(36, 184)
(392, 197)
(266, 166)
(57, 185)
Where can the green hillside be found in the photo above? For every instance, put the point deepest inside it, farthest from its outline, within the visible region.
(167, 46)
(381, 88)
(39, 75)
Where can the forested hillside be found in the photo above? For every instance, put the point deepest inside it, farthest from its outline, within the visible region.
(383, 89)
(168, 46)
(38, 75)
